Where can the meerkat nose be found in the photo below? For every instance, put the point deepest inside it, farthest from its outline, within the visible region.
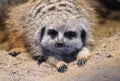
(59, 45)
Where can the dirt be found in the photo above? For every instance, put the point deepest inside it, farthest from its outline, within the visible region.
(103, 66)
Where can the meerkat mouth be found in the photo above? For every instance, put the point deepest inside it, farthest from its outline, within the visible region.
(59, 45)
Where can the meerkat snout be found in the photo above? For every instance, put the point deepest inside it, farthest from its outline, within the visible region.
(60, 41)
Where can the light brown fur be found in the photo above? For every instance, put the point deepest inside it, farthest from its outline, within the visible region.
(4, 6)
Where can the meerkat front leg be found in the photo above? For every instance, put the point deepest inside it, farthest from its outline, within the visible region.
(83, 56)
(55, 61)
(17, 48)
(58, 63)
(15, 51)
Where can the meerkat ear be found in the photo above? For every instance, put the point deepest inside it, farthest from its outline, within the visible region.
(83, 37)
(39, 35)
(42, 31)
(87, 39)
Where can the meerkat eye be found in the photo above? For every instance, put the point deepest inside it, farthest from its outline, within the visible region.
(52, 33)
(70, 34)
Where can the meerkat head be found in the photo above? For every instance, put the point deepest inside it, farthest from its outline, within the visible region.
(62, 36)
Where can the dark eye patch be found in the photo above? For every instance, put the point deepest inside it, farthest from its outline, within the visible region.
(70, 34)
(52, 33)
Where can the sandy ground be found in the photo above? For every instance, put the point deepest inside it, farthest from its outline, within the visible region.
(103, 66)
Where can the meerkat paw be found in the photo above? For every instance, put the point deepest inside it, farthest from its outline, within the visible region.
(82, 61)
(61, 66)
(83, 56)
(41, 59)
(16, 51)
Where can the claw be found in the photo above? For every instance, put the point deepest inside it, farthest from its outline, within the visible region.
(82, 62)
(62, 68)
(14, 53)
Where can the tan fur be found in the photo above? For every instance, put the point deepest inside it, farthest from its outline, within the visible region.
(60, 64)
(22, 30)
(84, 54)
(4, 5)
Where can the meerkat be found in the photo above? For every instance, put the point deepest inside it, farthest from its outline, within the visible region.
(52, 31)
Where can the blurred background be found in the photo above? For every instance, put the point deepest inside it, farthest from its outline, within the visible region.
(108, 14)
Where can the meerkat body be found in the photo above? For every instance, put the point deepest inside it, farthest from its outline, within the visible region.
(52, 30)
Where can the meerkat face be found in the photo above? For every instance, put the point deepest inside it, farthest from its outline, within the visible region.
(63, 37)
